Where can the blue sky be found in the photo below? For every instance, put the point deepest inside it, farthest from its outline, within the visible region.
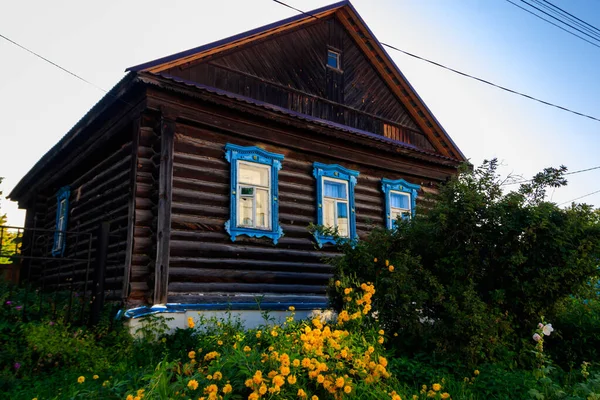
(491, 39)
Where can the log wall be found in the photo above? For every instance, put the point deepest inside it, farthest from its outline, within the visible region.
(205, 265)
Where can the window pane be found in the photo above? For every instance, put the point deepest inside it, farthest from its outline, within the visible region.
(329, 213)
(398, 200)
(334, 189)
(247, 191)
(245, 211)
(333, 59)
(254, 175)
(342, 218)
(262, 208)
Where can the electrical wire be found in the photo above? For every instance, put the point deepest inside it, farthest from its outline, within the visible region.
(571, 15)
(552, 23)
(559, 20)
(580, 197)
(53, 63)
(566, 173)
(464, 73)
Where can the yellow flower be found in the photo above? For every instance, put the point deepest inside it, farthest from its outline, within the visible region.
(375, 259)
(476, 372)
(347, 290)
(105, 383)
(315, 397)
(339, 382)
(338, 283)
(274, 333)
(193, 384)
(217, 376)
(220, 342)
(301, 393)
(296, 363)
(396, 334)
(391, 268)
(381, 332)
(436, 387)
(129, 397)
(140, 392)
(192, 354)
(253, 396)
(387, 263)
(81, 379)
(291, 379)
(262, 389)
(396, 397)
(258, 334)
(445, 395)
(247, 349)
(278, 380)
(292, 308)
(380, 340)
(227, 388)
(320, 378)
(190, 322)
(347, 389)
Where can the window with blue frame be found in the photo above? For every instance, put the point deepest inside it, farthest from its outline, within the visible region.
(400, 200)
(254, 203)
(335, 201)
(62, 216)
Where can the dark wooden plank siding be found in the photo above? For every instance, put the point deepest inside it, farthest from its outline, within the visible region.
(288, 69)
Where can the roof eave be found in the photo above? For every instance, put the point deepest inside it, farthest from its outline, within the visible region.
(112, 96)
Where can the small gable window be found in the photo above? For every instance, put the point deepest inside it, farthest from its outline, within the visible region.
(62, 215)
(333, 59)
(254, 190)
(335, 201)
(400, 200)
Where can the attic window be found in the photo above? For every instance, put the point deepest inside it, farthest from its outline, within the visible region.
(333, 59)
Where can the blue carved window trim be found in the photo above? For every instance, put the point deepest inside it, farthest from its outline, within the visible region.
(388, 187)
(234, 154)
(62, 217)
(337, 173)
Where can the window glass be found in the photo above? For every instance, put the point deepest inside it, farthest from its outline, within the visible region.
(335, 189)
(342, 218)
(253, 175)
(398, 200)
(329, 213)
(262, 208)
(333, 59)
(245, 211)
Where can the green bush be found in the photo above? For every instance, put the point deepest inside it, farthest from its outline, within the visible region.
(474, 269)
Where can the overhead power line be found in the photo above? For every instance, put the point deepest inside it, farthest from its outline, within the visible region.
(580, 197)
(568, 16)
(53, 63)
(561, 21)
(566, 173)
(462, 73)
(571, 15)
(552, 23)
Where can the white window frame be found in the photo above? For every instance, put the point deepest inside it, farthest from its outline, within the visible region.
(335, 203)
(255, 187)
(395, 211)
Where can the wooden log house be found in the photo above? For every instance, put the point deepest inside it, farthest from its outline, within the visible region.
(210, 164)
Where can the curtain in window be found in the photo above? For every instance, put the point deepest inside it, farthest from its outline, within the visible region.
(399, 201)
(335, 189)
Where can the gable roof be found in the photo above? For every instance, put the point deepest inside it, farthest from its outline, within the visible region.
(366, 41)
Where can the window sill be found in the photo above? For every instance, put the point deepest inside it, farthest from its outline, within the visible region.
(235, 231)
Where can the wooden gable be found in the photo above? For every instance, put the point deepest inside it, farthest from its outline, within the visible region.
(285, 64)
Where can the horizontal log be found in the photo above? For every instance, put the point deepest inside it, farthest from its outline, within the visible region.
(180, 248)
(249, 264)
(190, 287)
(229, 298)
(205, 275)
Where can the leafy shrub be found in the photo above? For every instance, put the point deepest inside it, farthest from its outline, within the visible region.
(475, 268)
(578, 325)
